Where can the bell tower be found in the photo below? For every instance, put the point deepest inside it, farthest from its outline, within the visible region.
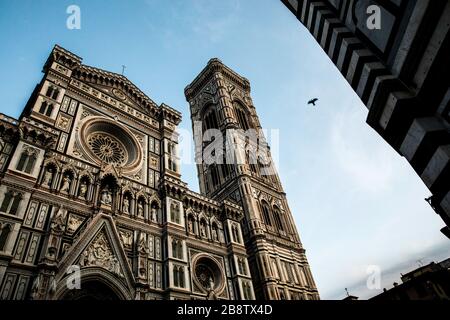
(234, 163)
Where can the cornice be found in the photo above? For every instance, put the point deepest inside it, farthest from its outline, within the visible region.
(215, 66)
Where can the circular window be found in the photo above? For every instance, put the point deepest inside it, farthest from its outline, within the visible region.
(208, 274)
(105, 142)
(107, 148)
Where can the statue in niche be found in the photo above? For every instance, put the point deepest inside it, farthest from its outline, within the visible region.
(106, 198)
(140, 209)
(66, 184)
(83, 189)
(48, 177)
(203, 229)
(190, 225)
(154, 215)
(126, 205)
(215, 235)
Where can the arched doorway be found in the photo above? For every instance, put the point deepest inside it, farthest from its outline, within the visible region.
(92, 290)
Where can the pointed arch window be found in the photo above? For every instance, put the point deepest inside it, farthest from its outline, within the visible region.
(5, 230)
(177, 249)
(11, 202)
(27, 160)
(246, 288)
(46, 109)
(175, 212)
(214, 176)
(241, 116)
(210, 119)
(266, 213)
(278, 220)
(178, 276)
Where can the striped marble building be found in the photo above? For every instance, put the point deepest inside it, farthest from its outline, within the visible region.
(92, 204)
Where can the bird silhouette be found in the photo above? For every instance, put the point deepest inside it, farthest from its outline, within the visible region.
(313, 101)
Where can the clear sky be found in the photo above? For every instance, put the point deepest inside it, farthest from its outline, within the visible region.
(356, 202)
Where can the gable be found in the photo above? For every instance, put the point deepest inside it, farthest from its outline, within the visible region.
(99, 246)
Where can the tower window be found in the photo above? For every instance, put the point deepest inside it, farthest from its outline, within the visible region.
(278, 221)
(241, 116)
(210, 120)
(266, 213)
(214, 176)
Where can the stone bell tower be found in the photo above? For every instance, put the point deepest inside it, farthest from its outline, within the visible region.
(235, 163)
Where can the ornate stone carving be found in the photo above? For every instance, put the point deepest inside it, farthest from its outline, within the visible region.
(126, 237)
(100, 254)
(74, 223)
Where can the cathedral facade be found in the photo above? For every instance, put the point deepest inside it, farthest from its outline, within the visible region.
(92, 205)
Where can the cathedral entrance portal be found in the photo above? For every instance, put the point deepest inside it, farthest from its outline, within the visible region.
(92, 290)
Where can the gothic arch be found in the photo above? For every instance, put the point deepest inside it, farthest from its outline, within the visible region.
(95, 275)
(102, 225)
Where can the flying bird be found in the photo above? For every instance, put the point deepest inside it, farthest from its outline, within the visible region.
(313, 101)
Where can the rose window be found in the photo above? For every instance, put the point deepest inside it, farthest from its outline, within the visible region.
(204, 275)
(108, 149)
(106, 141)
(208, 274)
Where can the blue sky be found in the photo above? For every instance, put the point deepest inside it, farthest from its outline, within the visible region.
(356, 202)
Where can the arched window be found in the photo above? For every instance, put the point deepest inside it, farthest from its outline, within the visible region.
(43, 107)
(49, 111)
(5, 230)
(242, 267)
(181, 277)
(242, 116)
(174, 248)
(7, 201)
(277, 216)
(49, 91)
(55, 94)
(180, 250)
(178, 276)
(247, 291)
(11, 202)
(175, 276)
(266, 213)
(175, 212)
(177, 249)
(214, 176)
(225, 170)
(46, 108)
(210, 119)
(27, 161)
